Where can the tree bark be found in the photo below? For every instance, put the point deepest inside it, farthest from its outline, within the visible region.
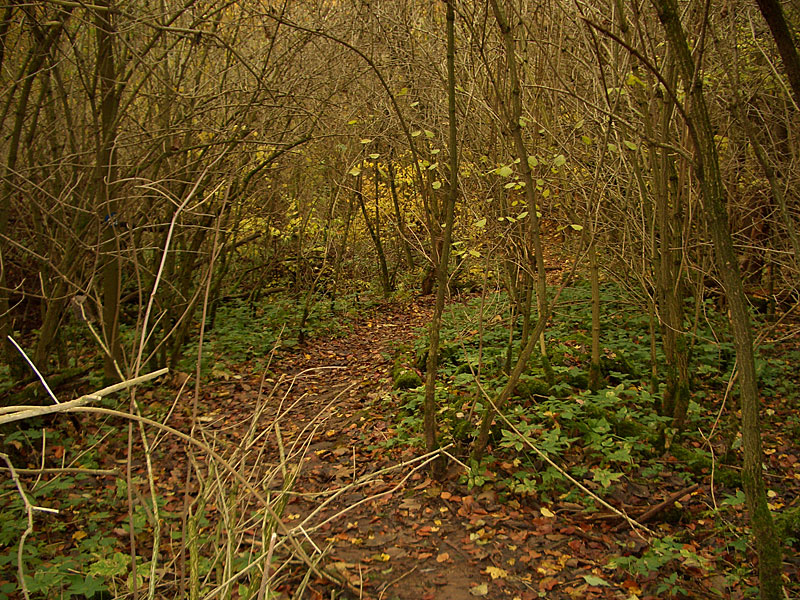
(104, 192)
(772, 12)
(595, 374)
(514, 115)
(713, 199)
(374, 233)
(432, 365)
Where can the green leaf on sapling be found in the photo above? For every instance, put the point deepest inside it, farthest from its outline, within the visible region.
(504, 171)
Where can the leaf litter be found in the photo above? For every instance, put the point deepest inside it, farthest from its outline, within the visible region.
(390, 531)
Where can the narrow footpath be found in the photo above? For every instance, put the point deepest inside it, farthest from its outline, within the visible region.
(388, 530)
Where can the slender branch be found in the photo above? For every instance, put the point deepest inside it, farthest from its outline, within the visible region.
(29, 508)
(650, 67)
(35, 370)
(217, 458)
(65, 471)
(19, 413)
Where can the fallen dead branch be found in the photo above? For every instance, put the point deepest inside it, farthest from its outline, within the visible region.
(11, 414)
(651, 512)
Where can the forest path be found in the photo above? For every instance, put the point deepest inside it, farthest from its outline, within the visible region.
(391, 531)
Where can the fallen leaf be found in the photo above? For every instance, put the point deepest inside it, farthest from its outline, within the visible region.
(480, 590)
(423, 485)
(595, 580)
(443, 557)
(546, 512)
(496, 573)
(548, 583)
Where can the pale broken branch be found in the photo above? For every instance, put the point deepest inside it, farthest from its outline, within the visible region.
(9, 414)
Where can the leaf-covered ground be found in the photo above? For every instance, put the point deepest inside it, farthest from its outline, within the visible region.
(406, 536)
(385, 528)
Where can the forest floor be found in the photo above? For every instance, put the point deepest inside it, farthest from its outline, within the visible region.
(387, 530)
(392, 532)
(404, 535)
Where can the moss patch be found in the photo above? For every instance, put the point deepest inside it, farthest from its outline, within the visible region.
(406, 379)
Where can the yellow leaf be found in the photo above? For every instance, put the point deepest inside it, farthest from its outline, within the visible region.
(496, 573)
(383, 557)
(79, 535)
(480, 590)
(546, 512)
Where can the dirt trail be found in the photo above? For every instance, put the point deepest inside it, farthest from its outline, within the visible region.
(392, 532)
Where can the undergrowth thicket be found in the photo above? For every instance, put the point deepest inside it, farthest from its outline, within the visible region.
(611, 440)
(82, 550)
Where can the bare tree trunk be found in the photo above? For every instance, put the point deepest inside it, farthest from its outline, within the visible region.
(339, 259)
(386, 282)
(713, 195)
(375, 234)
(8, 16)
(38, 55)
(104, 192)
(432, 366)
(398, 215)
(479, 447)
(514, 114)
(773, 15)
(594, 279)
(675, 401)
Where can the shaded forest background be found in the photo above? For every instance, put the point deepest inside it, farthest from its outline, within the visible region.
(164, 161)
